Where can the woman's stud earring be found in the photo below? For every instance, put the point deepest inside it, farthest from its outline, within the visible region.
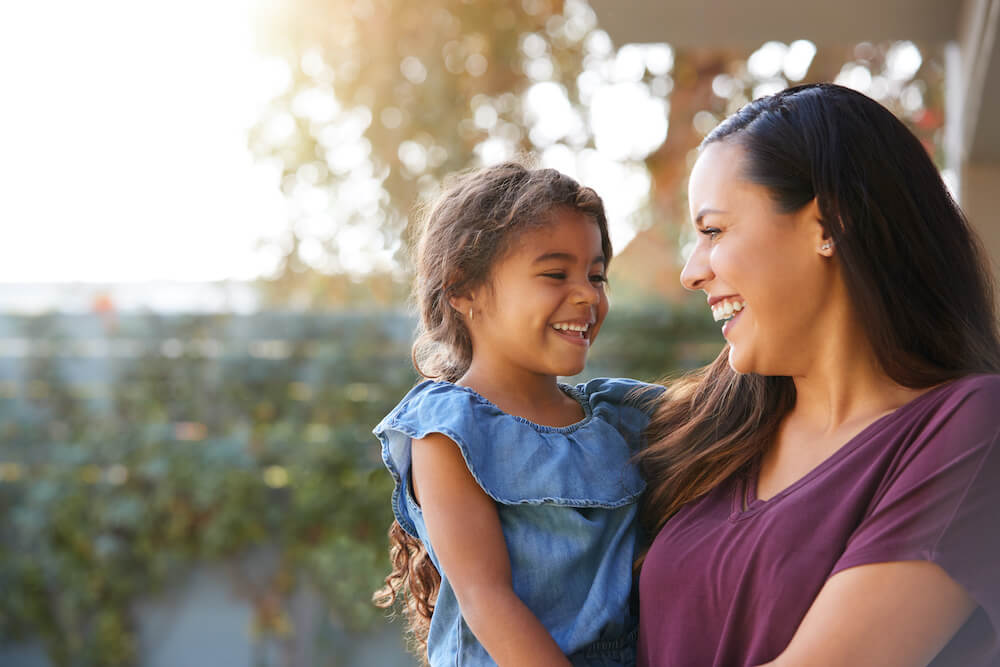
(827, 245)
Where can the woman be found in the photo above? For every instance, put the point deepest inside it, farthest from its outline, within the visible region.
(827, 492)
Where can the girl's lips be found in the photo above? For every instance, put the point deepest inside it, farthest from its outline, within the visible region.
(574, 337)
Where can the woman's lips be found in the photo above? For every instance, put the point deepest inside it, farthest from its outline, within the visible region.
(727, 327)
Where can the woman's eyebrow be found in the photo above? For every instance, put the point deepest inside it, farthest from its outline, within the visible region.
(706, 211)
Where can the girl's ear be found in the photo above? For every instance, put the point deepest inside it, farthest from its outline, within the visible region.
(464, 304)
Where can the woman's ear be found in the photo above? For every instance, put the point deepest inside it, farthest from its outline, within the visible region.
(820, 235)
(826, 246)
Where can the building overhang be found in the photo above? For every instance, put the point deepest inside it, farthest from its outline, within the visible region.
(971, 24)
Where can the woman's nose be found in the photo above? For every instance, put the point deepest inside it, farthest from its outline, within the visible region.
(696, 271)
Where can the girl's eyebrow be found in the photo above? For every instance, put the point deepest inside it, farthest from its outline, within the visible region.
(705, 211)
(564, 256)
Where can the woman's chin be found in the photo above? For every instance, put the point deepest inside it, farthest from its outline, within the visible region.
(738, 362)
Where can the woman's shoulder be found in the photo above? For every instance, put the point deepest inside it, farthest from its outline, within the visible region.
(984, 384)
(955, 416)
(973, 396)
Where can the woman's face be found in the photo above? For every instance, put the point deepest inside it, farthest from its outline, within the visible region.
(766, 274)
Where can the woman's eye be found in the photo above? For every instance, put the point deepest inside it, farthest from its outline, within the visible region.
(558, 275)
(711, 232)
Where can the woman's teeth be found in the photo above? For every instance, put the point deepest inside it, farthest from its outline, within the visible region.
(726, 309)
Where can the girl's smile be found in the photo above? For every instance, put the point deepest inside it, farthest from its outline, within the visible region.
(577, 333)
(545, 303)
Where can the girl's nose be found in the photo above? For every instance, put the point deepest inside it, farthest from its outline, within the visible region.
(696, 271)
(588, 293)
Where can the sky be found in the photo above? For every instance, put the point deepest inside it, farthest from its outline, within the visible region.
(124, 143)
(124, 153)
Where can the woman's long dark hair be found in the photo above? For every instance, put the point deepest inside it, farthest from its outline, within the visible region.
(914, 271)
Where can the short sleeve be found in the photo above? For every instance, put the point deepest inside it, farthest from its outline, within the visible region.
(624, 403)
(941, 501)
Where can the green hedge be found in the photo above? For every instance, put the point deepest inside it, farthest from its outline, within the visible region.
(133, 447)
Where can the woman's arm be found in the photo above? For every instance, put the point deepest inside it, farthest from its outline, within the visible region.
(885, 614)
(464, 528)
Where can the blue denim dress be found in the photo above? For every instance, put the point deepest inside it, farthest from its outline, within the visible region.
(566, 498)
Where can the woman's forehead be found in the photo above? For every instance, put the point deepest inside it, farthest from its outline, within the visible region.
(717, 175)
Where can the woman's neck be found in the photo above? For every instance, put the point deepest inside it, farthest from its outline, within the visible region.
(846, 384)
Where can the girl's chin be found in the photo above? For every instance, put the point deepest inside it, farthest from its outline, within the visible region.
(571, 368)
(570, 371)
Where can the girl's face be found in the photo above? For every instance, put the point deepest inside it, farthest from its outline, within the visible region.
(767, 275)
(545, 301)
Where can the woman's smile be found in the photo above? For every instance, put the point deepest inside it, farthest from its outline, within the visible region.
(726, 309)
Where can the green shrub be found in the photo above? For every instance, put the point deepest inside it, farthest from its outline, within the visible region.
(133, 448)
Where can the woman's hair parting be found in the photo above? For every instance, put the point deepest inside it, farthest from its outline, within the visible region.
(914, 271)
(474, 223)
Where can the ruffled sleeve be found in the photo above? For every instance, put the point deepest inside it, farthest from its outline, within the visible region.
(515, 461)
(623, 403)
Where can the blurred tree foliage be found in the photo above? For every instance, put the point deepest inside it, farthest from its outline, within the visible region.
(131, 456)
(131, 452)
(418, 88)
(386, 97)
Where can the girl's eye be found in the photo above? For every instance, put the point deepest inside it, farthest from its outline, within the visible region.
(560, 275)
(711, 232)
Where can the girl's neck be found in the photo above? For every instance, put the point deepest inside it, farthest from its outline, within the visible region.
(532, 396)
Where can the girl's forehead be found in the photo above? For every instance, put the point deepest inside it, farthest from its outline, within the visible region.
(569, 233)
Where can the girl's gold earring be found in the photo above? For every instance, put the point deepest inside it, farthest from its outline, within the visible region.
(470, 314)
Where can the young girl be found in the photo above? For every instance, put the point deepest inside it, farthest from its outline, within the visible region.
(515, 497)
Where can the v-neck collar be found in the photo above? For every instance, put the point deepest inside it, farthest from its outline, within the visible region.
(745, 501)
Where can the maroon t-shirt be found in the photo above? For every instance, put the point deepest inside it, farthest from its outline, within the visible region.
(728, 586)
